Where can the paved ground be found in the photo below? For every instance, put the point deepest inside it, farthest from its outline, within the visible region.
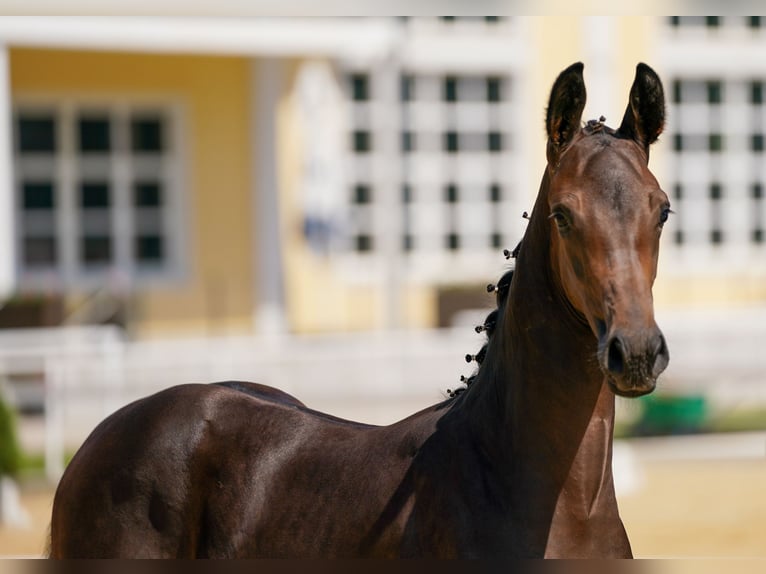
(702, 496)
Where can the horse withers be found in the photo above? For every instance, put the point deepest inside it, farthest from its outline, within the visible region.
(516, 464)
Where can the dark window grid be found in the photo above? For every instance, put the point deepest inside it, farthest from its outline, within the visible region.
(408, 141)
(715, 191)
(494, 89)
(38, 195)
(363, 243)
(94, 135)
(495, 193)
(754, 22)
(496, 240)
(94, 195)
(689, 92)
(407, 87)
(147, 194)
(716, 142)
(147, 135)
(96, 249)
(714, 92)
(40, 251)
(756, 142)
(451, 142)
(685, 142)
(362, 194)
(451, 193)
(495, 141)
(678, 237)
(452, 241)
(36, 134)
(756, 190)
(678, 191)
(149, 248)
(360, 87)
(716, 236)
(756, 236)
(712, 21)
(756, 93)
(449, 93)
(407, 193)
(408, 242)
(361, 141)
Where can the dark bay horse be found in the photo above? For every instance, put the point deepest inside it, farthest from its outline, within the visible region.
(518, 464)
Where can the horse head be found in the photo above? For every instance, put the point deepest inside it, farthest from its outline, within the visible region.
(606, 212)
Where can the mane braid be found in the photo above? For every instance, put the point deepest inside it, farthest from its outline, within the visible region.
(501, 289)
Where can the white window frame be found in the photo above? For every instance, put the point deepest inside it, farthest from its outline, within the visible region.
(122, 273)
(730, 54)
(460, 49)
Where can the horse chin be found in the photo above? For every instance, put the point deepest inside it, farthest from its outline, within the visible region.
(631, 389)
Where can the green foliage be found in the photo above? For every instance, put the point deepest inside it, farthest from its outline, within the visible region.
(10, 452)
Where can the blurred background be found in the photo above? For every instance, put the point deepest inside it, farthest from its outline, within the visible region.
(318, 205)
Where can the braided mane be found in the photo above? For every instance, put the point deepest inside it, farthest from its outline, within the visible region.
(501, 290)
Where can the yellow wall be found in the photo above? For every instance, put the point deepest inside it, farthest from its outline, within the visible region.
(217, 293)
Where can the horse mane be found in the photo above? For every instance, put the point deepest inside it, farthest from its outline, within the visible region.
(501, 289)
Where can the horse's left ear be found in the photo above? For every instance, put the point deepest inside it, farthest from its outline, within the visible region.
(644, 117)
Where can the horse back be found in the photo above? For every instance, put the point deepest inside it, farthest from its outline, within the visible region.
(228, 469)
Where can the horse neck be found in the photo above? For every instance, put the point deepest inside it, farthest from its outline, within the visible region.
(543, 386)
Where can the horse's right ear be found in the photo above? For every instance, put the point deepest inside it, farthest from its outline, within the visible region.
(565, 107)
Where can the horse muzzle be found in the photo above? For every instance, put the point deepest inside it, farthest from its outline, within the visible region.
(632, 362)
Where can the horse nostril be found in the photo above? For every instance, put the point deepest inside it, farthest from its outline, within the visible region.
(661, 357)
(615, 357)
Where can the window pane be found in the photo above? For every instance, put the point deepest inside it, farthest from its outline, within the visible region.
(37, 195)
(37, 134)
(146, 135)
(363, 243)
(450, 89)
(96, 249)
(149, 248)
(495, 141)
(756, 142)
(451, 194)
(714, 92)
(408, 141)
(362, 194)
(39, 251)
(453, 242)
(362, 141)
(756, 93)
(407, 88)
(148, 194)
(495, 193)
(493, 90)
(94, 135)
(451, 142)
(360, 89)
(94, 195)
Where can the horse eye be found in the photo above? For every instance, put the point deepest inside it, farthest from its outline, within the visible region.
(664, 214)
(562, 221)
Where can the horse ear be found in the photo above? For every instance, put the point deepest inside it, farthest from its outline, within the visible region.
(644, 117)
(565, 107)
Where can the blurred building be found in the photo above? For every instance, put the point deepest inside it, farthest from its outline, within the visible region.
(217, 176)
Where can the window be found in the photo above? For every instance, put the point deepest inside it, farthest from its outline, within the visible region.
(715, 141)
(90, 218)
(455, 147)
(715, 123)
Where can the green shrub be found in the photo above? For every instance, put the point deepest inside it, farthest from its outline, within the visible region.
(10, 453)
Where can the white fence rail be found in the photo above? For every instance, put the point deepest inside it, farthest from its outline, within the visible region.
(83, 374)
